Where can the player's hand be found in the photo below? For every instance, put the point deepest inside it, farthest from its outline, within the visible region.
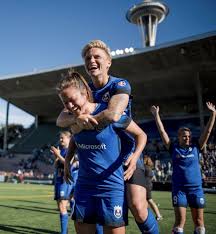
(75, 128)
(86, 121)
(154, 110)
(131, 167)
(67, 174)
(211, 106)
(55, 151)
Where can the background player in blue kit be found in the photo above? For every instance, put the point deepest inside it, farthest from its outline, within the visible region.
(99, 191)
(115, 92)
(63, 191)
(186, 178)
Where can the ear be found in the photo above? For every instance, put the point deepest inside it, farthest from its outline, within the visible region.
(109, 64)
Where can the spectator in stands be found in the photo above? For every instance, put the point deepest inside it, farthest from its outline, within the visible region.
(169, 172)
(62, 189)
(114, 92)
(99, 191)
(149, 175)
(186, 178)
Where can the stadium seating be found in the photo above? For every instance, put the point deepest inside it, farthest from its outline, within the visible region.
(37, 138)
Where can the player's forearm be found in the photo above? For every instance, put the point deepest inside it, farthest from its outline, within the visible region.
(61, 159)
(107, 117)
(162, 131)
(71, 151)
(65, 119)
(141, 141)
(117, 105)
(207, 131)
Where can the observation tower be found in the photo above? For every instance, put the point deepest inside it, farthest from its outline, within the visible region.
(147, 15)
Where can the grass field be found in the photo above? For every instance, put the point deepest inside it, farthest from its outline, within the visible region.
(26, 209)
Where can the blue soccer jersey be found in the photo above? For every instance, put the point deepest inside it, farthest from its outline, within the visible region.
(59, 167)
(100, 163)
(186, 167)
(62, 190)
(103, 95)
(113, 87)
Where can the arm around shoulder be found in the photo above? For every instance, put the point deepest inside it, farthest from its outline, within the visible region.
(65, 119)
(116, 107)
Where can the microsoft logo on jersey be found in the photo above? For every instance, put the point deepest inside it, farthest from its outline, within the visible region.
(84, 146)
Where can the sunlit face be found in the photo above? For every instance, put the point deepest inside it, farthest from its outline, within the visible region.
(97, 62)
(73, 99)
(64, 140)
(184, 138)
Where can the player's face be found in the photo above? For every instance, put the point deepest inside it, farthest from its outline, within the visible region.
(64, 140)
(97, 63)
(73, 99)
(184, 138)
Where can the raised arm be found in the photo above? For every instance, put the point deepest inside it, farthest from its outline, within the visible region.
(207, 131)
(164, 136)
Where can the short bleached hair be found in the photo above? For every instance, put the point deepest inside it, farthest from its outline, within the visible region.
(184, 129)
(96, 44)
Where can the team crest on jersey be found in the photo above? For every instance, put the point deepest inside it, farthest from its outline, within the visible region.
(202, 201)
(118, 211)
(121, 83)
(106, 97)
(190, 149)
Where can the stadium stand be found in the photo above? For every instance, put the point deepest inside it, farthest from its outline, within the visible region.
(37, 138)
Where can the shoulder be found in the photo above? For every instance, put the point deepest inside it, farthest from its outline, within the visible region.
(120, 85)
(119, 81)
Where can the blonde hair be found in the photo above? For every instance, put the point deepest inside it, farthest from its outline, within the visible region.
(66, 133)
(184, 129)
(72, 78)
(96, 44)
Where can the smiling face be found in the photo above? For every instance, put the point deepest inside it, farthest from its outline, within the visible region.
(64, 140)
(73, 99)
(184, 138)
(97, 63)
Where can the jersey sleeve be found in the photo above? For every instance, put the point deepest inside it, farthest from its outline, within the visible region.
(122, 86)
(123, 122)
(170, 150)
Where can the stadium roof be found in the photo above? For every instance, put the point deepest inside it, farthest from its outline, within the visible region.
(166, 75)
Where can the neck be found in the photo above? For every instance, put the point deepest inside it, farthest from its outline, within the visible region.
(100, 81)
(89, 108)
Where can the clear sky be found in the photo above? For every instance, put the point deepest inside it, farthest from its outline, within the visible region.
(44, 34)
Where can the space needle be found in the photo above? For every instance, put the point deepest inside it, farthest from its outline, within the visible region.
(147, 15)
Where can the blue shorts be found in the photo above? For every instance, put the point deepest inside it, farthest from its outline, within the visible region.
(107, 211)
(194, 197)
(62, 190)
